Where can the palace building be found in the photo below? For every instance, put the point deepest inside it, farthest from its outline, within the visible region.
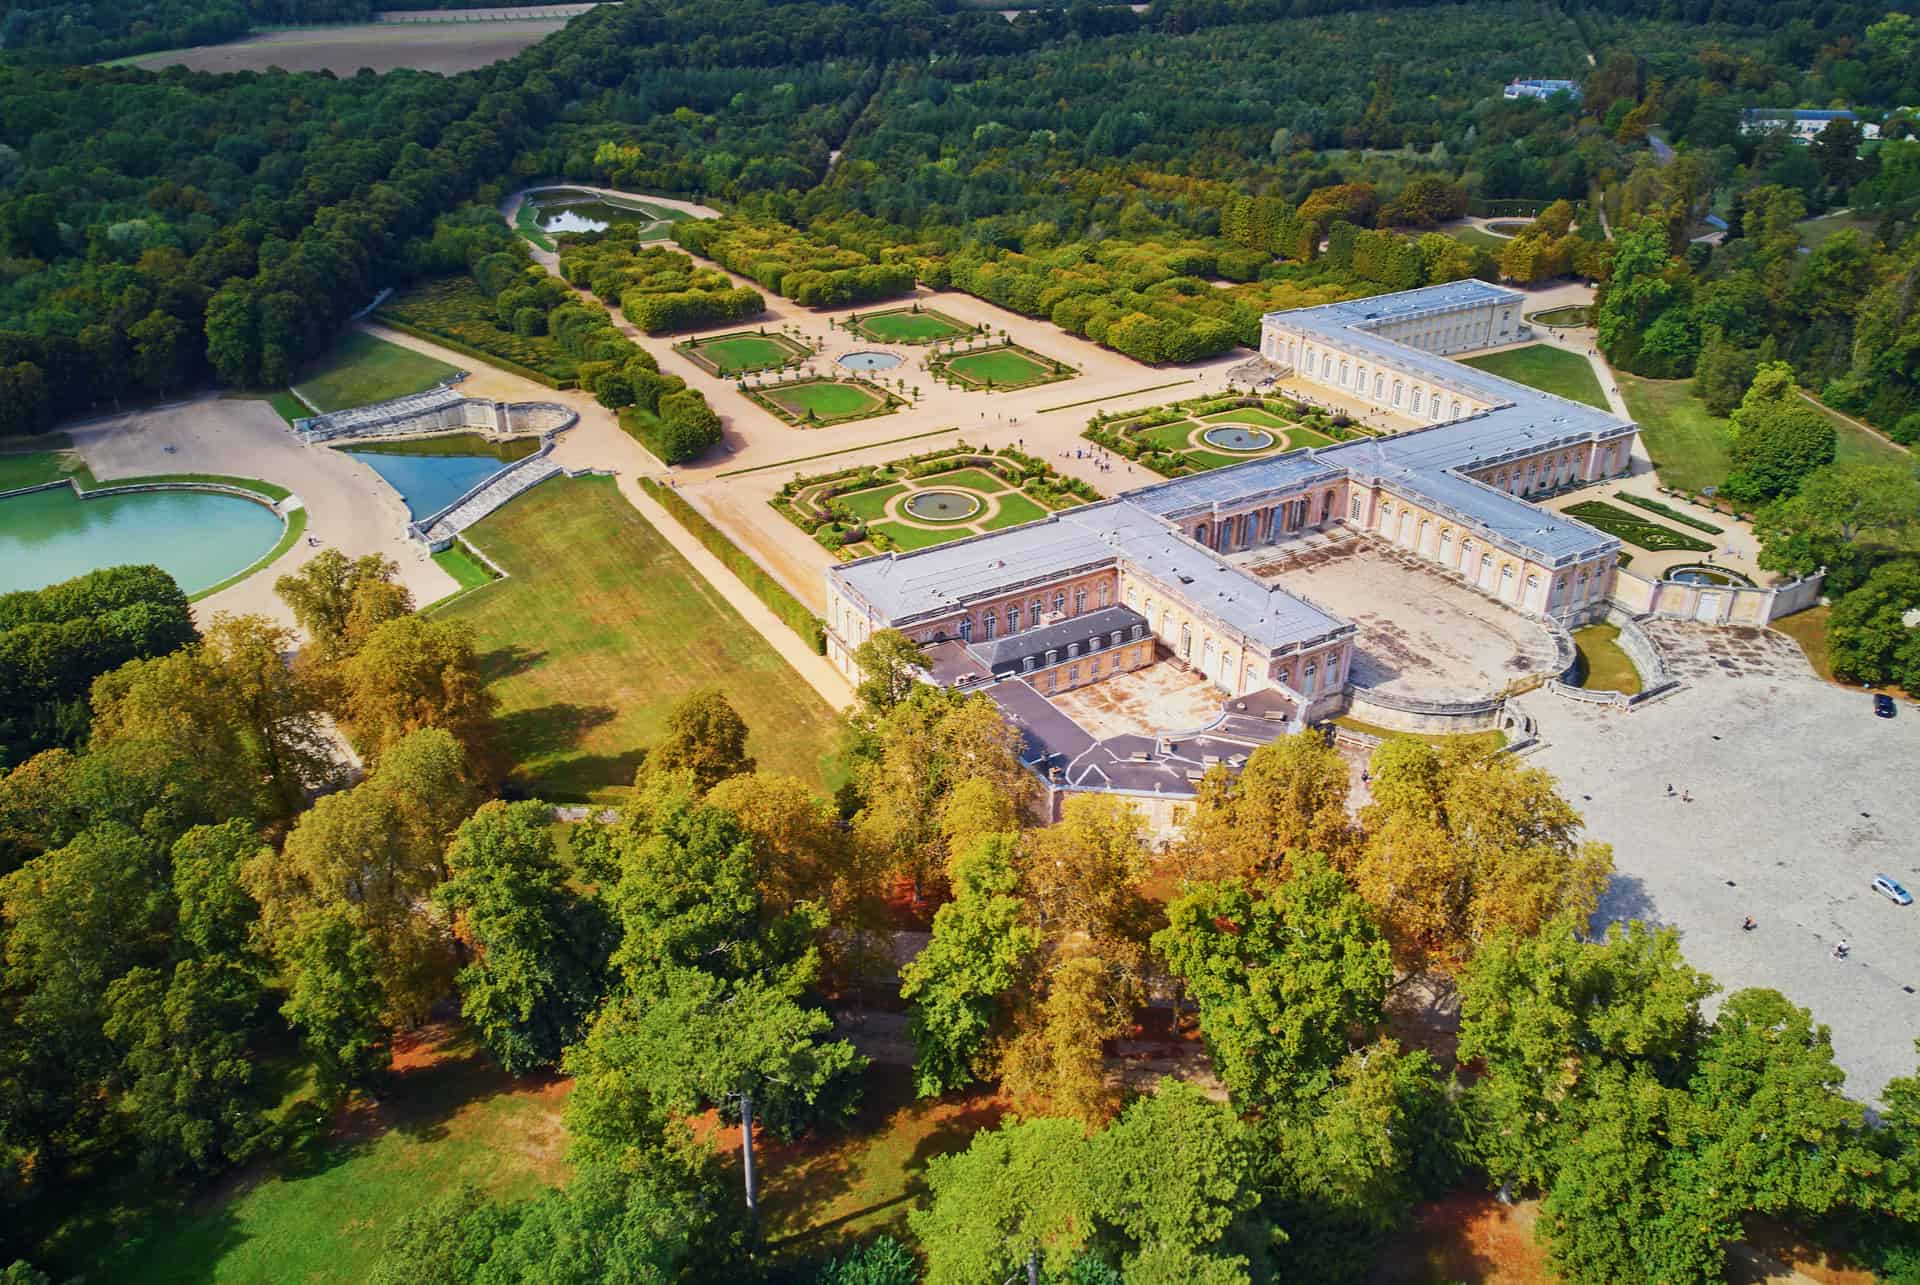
(1041, 610)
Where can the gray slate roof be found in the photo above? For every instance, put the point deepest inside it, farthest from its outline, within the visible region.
(1093, 631)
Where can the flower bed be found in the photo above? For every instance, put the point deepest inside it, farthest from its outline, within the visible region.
(1665, 511)
(1642, 533)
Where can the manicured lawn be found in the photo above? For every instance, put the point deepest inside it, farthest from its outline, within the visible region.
(459, 563)
(1641, 532)
(1851, 446)
(1298, 437)
(1014, 509)
(600, 629)
(361, 370)
(919, 537)
(1214, 459)
(1248, 415)
(1687, 442)
(910, 327)
(321, 1214)
(1552, 370)
(967, 479)
(1494, 738)
(1168, 437)
(732, 353)
(35, 467)
(1816, 232)
(871, 503)
(1478, 239)
(827, 400)
(1604, 667)
(1000, 368)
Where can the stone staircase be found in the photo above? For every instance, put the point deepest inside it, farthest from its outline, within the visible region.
(439, 530)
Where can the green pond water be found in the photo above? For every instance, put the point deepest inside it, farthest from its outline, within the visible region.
(584, 212)
(198, 537)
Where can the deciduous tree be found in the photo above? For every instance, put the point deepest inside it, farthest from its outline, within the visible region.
(411, 673)
(1291, 797)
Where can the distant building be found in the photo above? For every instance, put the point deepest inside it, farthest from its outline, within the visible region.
(1801, 126)
(1542, 89)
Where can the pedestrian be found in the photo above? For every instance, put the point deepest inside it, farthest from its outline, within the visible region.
(1686, 796)
(1669, 790)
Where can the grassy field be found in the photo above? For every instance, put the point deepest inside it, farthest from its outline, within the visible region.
(601, 628)
(1000, 368)
(828, 401)
(360, 370)
(1604, 667)
(919, 537)
(458, 561)
(870, 503)
(730, 354)
(320, 1214)
(1014, 509)
(1552, 370)
(31, 468)
(967, 479)
(1248, 415)
(1479, 240)
(1809, 629)
(909, 327)
(1641, 532)
(1688, 443)
(1817, 232)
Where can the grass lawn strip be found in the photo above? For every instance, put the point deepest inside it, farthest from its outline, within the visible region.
(1168, 437)
(1298, 437)
(1603, 666)
(36, 468)
(1494, 739)
(830, 401)
(967, 479)
(361, 370)
(1249, 415)
(1213, 459)
(1014, 510)
(909, 327)
(1643, 533)
(919, 537)
(1551, 370)
(600, 628)
(870, 504)
(1809, 629)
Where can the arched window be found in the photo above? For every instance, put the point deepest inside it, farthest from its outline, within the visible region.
(1079, 600)
(966, 630)
(1060, 601)
(1343, 373)
(1434, 408)
(1456, 408)
(1333, 672)
(1379, 382)
(1200, 533)
(1034, 610)
(1166, 625)
(1013, 618)
(1446, 544)
(1106, 594)
(1398, 386)
(1186, 642)
(1206, 655)
(1506, 582)
(1326, 505)
(1306, 683)
(987, 626)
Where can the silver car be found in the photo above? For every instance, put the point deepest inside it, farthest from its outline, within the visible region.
(1887, 886)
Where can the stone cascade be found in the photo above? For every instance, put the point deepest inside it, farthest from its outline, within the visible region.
(438, 531)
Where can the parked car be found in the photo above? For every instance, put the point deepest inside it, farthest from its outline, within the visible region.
(1883, 705)
(1887, 886)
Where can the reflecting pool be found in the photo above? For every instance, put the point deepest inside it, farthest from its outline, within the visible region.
(198, 537)
(429, 483)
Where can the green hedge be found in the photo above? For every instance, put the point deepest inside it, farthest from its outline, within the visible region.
(468, 350)
(1654, 506)
(765, 587)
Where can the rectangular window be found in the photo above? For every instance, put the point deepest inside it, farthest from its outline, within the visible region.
(1050, 674)
(1027, 664)
(1073, 674)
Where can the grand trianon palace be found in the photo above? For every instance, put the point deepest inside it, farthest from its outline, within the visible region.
(1151, 577)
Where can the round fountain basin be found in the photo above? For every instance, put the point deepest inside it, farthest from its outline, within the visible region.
(1237, 437)
(197, 537)
(942, 506)
(1719, 577)
(870, 361)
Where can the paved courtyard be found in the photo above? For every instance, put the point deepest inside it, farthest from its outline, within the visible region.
(1422, 633)
(1800, 796)
(1163, 697)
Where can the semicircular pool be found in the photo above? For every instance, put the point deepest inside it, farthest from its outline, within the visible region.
(1237, 437)
(869, 361)
(198, 537)
(1701, 574)
(942, 506)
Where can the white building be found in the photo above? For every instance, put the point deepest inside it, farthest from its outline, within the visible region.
(1542, 89)
(1801, 126)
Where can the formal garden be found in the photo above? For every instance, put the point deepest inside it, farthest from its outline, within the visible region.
(1640, 532)
(997, 367)
(813, 401)
(1204, 433)
(924, 500)
(913, 325)
(743, 352)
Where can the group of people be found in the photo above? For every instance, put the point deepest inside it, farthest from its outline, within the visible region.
(1686, 795)
(1840, 948)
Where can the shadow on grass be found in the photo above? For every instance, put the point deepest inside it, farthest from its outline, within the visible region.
(551, 729)
(507, 661)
